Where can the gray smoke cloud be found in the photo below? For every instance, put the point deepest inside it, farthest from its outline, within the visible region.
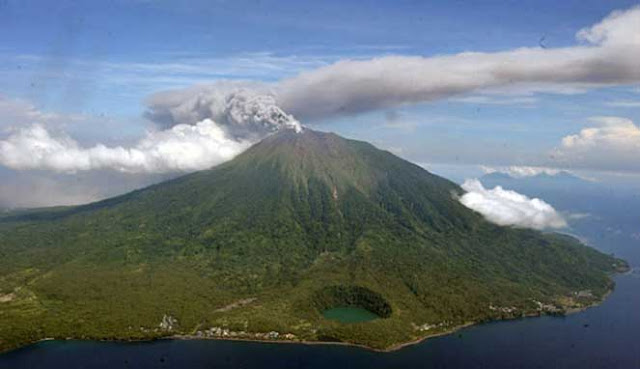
(606, 55)
(203, 125)
(244, 110)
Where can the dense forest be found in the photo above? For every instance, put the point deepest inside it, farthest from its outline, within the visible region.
(299, 223)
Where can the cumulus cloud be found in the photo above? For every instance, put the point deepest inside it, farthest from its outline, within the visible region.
(611, 143)
(183, 147)
(505, 207)
(186, 139)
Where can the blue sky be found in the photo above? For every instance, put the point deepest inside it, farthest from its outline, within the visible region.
(42, 37)
(144, 30)
(95, 64)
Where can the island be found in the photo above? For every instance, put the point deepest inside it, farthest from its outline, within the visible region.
(305, 237)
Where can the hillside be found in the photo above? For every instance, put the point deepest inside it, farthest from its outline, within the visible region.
(298, 224)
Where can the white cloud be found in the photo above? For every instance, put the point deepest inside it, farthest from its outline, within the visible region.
(518, 171)
(190, 141)
(620, 28)
(611, 143)
(578, 216)
(505, 207)
(180, 148)
(624, 104)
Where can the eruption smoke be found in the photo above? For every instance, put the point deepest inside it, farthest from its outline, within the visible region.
(204, 125)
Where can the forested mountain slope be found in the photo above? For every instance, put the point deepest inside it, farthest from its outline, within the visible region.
(299, 223)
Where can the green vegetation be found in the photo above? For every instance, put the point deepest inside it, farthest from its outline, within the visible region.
(352, 296)
(296, 225)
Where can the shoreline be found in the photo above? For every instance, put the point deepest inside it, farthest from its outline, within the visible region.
(399, 346)
(392, 348)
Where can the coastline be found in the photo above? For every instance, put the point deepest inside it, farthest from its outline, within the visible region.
(399, 346)
(392, 348)
(180, 337)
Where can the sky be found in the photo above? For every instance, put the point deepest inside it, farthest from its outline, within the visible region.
(98, 98)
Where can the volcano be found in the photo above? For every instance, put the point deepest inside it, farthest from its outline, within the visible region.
(262, 246)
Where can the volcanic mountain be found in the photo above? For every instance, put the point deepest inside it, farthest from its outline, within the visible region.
(261, 246)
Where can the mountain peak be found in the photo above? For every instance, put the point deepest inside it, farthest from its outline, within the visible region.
(300, 137)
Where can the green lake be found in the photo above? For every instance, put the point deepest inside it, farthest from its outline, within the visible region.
(349, 314)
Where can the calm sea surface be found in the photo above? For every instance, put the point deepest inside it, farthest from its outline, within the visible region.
(607, 336)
